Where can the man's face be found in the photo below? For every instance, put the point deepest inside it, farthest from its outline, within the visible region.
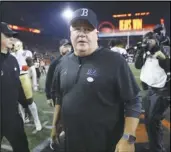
(65, 49)
(6, 42)
(83, 37)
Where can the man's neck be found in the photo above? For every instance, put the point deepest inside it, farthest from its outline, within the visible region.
(90, 52)
(4, 51)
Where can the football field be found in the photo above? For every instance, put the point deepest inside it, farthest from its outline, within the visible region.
(39, 140)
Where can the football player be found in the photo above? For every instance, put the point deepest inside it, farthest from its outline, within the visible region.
(21, 56)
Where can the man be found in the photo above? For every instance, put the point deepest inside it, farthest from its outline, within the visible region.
(27, 91)
(32, 72)
(94, 86)
(154, 65)
(11, 124)
(42, 67)
(37, 66)
(64, 47)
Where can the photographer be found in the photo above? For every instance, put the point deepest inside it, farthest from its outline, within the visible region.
(154, 61)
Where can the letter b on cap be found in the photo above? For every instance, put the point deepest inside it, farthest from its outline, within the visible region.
(84, 12)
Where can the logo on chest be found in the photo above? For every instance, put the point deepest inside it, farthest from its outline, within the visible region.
(91, 73)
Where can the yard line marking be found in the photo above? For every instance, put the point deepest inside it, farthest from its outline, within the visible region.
(29, 125)
(6, 147)
(43, 125)
(48, 112)
(41, 146)
(32, 125)
(48, 127)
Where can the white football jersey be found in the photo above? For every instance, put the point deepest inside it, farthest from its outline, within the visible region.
(21, 60)
(119, 50)
(27, 53)
(33, 76)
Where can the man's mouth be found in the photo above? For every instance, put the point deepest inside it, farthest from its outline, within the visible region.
(82, 42)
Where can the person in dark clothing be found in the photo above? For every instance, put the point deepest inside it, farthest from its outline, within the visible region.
(94, 86)
(64, 47)
(11, 124)
(154, 66)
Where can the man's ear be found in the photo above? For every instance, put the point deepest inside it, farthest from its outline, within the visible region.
(70, 28)
(97, 34)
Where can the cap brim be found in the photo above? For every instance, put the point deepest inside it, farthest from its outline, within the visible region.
(82, 18)
(5, 29)
(10, 33)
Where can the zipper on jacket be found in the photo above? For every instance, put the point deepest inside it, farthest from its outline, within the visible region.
(78, 73)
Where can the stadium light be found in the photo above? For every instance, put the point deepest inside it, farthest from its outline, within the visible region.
(67, 13)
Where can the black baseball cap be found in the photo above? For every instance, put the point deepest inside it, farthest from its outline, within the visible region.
(64, 42)
(85, 14)
(5, 29)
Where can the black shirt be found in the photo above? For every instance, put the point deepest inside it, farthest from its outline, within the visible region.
(49, 77)
(9, 84)
(91, 91)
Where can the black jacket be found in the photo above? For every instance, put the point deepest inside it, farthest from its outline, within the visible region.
(9, 87)
(49, 77)
(91, 91)
(139, 60)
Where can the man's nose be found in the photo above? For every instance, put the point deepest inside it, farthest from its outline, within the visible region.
(82, 32)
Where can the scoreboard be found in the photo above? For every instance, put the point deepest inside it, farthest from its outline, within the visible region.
(127, 24)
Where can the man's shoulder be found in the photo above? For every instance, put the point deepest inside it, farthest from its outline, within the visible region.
(64, 60)
(111, 54)
(55, 61)
(12, 58)
(12, 62)
(67, 56)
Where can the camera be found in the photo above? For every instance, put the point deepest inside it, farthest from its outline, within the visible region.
(154, 41)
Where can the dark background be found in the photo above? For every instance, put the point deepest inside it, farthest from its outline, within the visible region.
(47, 15)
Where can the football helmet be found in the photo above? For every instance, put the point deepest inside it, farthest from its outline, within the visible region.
(17, 45)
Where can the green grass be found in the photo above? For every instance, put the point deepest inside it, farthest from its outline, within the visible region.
(136, 73)
(40, 100)
(35, 139)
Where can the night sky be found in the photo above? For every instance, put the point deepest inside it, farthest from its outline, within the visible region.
(47, 15)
